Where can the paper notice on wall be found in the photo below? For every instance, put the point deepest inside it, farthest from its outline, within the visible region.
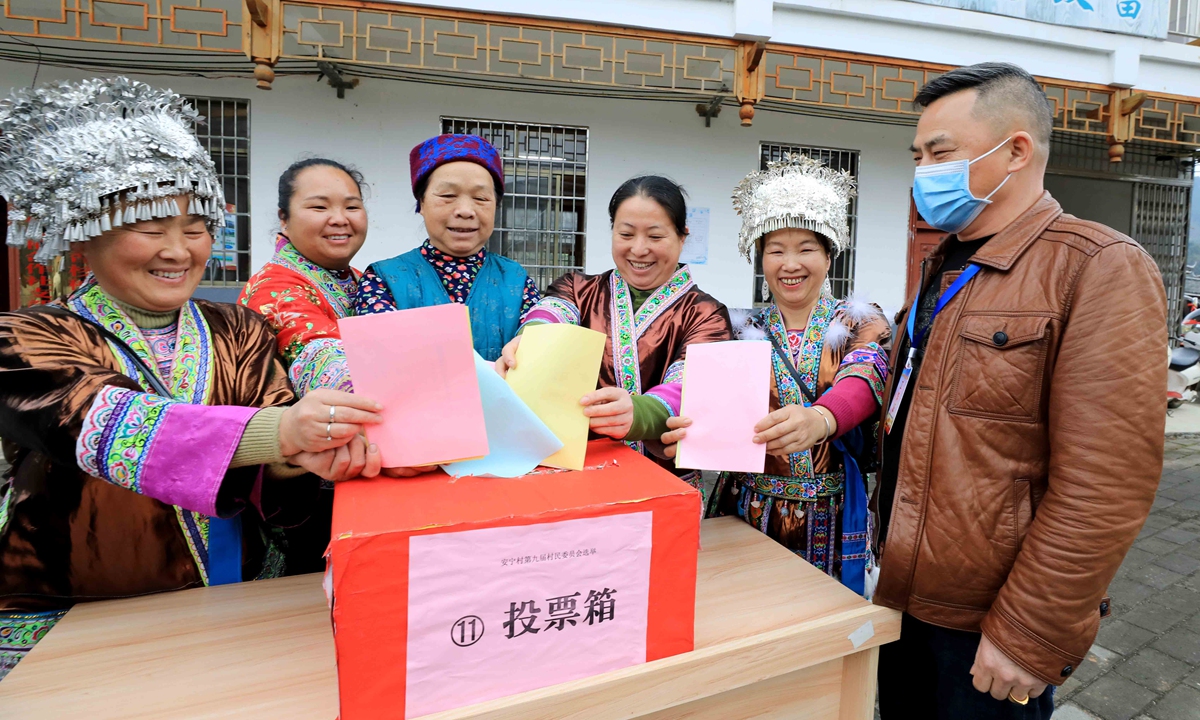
(695, 248)
(498, 611)
(224, 249)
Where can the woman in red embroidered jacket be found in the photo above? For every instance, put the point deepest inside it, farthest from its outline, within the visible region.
(309, 285)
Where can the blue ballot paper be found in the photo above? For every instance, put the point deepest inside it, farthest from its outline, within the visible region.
(517, 439)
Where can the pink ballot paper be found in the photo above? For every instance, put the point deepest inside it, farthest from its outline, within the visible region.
(726, 391)
(420, 365)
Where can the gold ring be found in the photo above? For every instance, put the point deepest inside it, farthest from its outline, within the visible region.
(1019, 701)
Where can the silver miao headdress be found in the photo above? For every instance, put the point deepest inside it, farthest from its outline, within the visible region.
(795, 192)
(80, 158)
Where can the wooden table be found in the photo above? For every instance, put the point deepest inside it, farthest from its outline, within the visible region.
(773, 640)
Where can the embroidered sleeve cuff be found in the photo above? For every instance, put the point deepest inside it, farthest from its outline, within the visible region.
(552, 310)
(530, 323)
(171, 451)
(868, 363)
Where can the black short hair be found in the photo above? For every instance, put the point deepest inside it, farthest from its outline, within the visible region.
(287, 181)
(1003, 88)
(664, 191)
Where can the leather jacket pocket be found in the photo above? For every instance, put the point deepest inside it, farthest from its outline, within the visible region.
(999, 371)
(1022, 511)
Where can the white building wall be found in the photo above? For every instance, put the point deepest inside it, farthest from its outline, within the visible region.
(379, 122)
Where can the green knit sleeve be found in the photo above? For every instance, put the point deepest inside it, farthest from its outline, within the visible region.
(649, 418)
(260, 440)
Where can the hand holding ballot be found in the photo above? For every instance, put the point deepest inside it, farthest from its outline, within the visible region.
(609, 411)
(558, 365)
(322, 433)
(508, 357)
(420, 364)
(726, 388)
(793, 429)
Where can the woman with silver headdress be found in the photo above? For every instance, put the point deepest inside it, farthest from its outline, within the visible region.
(139, 423)
(828, 372)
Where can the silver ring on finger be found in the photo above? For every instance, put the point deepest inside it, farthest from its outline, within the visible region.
(332, 408)
(329, 431)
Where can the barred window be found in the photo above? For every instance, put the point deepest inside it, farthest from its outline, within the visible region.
(841, 273)
(226, 135)
(540, 221)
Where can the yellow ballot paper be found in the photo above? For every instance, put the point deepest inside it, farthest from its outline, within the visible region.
(557, 364)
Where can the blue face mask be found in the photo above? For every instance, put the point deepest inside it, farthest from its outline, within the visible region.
(943, 196)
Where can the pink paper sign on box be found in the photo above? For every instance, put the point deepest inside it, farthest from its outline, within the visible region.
(498, 611)
(420, 365)
(726, 392)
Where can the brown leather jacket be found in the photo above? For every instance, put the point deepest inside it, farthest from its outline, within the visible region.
(1034, 440)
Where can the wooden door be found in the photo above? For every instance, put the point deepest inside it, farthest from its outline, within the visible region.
(922, 239)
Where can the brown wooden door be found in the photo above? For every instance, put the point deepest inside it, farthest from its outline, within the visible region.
(922, 239)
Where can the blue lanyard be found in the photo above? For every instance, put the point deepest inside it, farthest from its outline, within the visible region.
(961, 282)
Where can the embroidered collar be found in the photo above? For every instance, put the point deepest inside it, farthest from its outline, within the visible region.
(191, 373)
(628, 325)
(338, 286)
(430, 252)
(807, 362)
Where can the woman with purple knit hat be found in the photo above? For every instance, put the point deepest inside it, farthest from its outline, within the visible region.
(458, 180)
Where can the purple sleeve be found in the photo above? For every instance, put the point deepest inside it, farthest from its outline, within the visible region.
(170, 451)
(374, 296)
(852, 401)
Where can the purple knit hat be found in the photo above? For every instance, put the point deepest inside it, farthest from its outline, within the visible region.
(437, 151)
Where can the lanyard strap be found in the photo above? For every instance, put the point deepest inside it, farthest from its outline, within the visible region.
(914, 339)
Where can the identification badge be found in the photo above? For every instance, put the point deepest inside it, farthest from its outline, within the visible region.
(898, 396)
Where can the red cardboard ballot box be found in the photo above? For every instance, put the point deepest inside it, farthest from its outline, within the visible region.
(451, 591)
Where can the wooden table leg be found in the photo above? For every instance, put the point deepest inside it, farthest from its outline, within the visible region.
(858, 685)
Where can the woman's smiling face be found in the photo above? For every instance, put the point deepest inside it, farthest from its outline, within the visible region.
(795, 264)
(154, 264)
(645, 243)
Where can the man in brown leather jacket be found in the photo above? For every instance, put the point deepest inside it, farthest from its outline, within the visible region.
(1026, 437)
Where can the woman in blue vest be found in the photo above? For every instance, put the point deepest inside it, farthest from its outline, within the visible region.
(458, 181)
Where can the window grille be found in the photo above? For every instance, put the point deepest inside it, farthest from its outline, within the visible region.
(1075, 154)
(1160, 224)
(226, 136)
(1184, 19)
(841, 273)
(540, 221)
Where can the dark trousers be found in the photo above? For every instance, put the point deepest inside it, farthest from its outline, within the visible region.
(926, 675)
(306, 543)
